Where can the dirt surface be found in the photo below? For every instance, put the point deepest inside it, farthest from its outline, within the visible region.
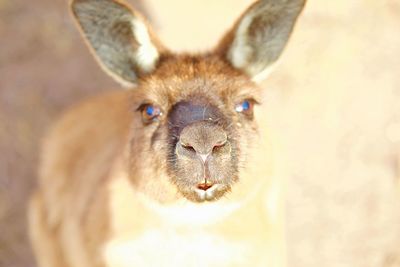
(333, 102)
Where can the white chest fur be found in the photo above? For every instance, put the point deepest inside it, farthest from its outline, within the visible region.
(180, 240)
(162, 247)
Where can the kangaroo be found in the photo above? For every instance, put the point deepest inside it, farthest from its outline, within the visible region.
(175, 171)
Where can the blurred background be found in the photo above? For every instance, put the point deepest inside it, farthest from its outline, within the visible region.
(333, 104)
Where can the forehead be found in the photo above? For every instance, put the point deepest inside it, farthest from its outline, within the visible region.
(187, 78)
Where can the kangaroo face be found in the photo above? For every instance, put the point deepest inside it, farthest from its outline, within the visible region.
(197, 124)
(194, 128)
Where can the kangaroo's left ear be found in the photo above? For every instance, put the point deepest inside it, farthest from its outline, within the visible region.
(259, 36)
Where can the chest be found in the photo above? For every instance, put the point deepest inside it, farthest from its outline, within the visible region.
(147, 235)
(163, 247)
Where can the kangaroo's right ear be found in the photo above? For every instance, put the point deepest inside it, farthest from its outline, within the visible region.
(118, 37)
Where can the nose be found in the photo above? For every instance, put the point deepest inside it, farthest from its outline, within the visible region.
(203, 138)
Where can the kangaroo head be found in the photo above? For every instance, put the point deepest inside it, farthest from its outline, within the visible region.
(193, 124)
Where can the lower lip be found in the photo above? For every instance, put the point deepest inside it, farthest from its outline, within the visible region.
(207, 194)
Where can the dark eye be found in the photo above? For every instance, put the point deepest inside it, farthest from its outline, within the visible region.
(149, 112)
(245, 107)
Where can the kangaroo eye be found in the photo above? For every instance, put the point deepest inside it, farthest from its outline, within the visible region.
(150, 112)
(245, 107)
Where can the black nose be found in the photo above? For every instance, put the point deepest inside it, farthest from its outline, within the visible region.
(202, 137)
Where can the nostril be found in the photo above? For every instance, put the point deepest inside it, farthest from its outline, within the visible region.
(218, 146)
(204, 186)
(188, 147)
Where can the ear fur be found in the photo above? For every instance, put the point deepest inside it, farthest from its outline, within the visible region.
(260, 35)
(118, 37)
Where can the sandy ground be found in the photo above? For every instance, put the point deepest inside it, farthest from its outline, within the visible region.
(334, 107)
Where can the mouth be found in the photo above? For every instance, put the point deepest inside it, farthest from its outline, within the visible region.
(206, 192)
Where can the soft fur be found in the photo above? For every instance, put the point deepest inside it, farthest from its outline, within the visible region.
(117, 190)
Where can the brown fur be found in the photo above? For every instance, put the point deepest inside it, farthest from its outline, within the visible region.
(115, 191)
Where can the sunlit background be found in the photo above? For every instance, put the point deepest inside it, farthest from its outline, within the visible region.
(333, 105)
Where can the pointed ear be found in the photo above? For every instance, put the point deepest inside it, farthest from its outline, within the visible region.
(118, 37)
(259, 36)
